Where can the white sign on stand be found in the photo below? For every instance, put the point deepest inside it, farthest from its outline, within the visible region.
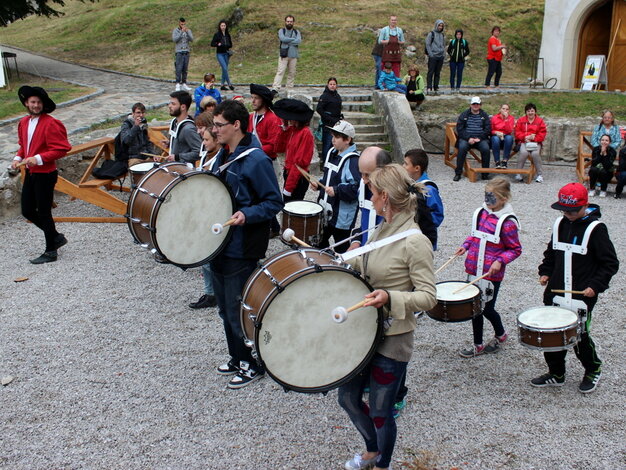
(3, 81)
(594, 73)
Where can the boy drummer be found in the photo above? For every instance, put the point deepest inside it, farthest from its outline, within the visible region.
(579, 257)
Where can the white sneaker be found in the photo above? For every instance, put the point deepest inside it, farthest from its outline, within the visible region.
(178, 87)
(539, 179)
(592, 193)
(519, 178)
(185, 87)
(602, 193)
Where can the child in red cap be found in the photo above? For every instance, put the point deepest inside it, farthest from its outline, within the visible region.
(579, 257)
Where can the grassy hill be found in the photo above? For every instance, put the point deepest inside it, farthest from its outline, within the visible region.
(135, 35)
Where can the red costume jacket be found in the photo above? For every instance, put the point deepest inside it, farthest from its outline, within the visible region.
(267, 131)
(298, 145)
(524, 128)
(49, 141)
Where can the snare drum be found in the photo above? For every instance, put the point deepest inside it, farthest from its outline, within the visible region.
(172, 210)
(305, 219)
(456, 307)
(140, 170)
(286, 316)
(548, 328)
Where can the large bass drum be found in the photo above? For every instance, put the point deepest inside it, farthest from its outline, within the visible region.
(286, 316)
(173, 209)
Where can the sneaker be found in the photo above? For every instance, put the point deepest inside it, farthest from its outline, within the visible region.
(591, 193)
(60, 241)
(178, 87)
(398, 407)
(519, 178)
(223, 88)
(498, 165)
(245, 376)
(231, 88)
(185, 87)
(589, 382)
(503, 163)
(456, 178)
(475, 350)
(227, 369)
(493, 346)
(205, 301)
(617, 196)
(548, 380)
(539, 179)
(46, 257)
(602, 193)
(358, 463)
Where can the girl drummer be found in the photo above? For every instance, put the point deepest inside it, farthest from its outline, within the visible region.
(501, 246)
(402, 274)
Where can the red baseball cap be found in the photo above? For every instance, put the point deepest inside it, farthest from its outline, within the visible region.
(572, 196)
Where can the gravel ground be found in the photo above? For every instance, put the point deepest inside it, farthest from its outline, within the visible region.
(112, 369)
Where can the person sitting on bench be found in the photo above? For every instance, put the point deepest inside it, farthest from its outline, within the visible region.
(133, 137)
(474, 130)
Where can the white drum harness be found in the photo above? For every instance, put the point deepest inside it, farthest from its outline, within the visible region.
(332, 168)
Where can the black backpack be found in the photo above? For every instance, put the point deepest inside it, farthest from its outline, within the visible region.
(111, 169)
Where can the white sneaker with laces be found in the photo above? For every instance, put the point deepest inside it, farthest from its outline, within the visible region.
(358, 463)
(185, 87)
(178, 87)
(519, 178)
(592, 193)
(539, 179)
(602, 193)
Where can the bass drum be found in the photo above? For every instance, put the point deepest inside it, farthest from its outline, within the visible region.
(286, 317)
(173, 209)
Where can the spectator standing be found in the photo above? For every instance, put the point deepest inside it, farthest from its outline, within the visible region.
(223, 44)
(206, 89)
(495, 52)
(602, 166)
(502, 126)
(290, 39)
(182, 37)
(414, 83)
(458, 50)
(329, 108)
(377, 55)
(435, 50)
(606, 127)
(530, 132)
(473, 128)
(392, 39)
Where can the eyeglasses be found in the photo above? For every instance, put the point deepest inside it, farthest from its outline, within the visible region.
(219, 125)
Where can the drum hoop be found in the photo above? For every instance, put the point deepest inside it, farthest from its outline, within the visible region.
(458, 302)
(323, 389)
(298, 214)
(559, 329)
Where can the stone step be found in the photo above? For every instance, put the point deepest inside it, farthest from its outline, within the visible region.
(361, 145)
(365, 97)
(381, 136)
(360, 106)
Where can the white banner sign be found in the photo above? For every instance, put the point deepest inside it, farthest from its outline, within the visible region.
(3, 81)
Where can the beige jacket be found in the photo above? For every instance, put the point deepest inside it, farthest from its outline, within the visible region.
(404, 269)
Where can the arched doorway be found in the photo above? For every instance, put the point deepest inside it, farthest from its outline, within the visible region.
(602, 31)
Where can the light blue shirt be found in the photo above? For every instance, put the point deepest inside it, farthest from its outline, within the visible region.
(387, 31)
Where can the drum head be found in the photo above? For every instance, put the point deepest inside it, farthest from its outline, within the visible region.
(300, 344)
(446, 291)
(302, 208)
(143, 167)
(547, 318)
(184, 220)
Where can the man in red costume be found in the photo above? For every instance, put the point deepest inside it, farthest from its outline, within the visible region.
(42, 140)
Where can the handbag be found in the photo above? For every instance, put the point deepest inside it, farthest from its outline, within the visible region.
(532, 146)
(318, 132)
(230, 52)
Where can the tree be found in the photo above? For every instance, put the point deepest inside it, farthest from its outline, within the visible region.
(12, 10)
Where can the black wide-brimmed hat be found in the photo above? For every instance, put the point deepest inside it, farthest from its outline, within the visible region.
(26, 92)
(293, 110)
(264, 92)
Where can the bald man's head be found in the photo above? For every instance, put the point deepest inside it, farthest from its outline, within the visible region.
(370, 159)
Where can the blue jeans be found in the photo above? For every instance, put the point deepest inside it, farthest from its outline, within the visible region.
(378, 61)
(489, 312)
(229, 277)
(400, 89)
(181, 64)
(464, 146)
(208, 279)
(223, 58)
(496, 143)
(456, 71)
(375, 423)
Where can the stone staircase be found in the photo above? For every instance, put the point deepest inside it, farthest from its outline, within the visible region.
(359, 111)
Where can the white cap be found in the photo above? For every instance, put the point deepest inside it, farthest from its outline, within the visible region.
(345, 128)
(475, 100)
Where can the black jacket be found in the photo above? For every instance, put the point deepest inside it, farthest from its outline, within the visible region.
(595, 269)
(605, 161)
(622, 160)
(134, 140)
(329, 107)
(458, 49)
(461, 125)
(225, 40)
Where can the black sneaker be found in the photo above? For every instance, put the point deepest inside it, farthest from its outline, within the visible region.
(205, 301)
(456, 178)
(59, 241)
(548, 380)
(223, 88)
(503, 163)
(245, 376)
(589, 382)
(231, 88)
(46, 257)
(227, 369)
(498, 165)
(617, 196)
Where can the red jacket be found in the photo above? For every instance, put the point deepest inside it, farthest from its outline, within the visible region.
(298, 145)
(267, 130)
(524, 128)
(499, 124)
(49, 141)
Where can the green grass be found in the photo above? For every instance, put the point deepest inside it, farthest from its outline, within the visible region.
(10, 105)
(135, 35)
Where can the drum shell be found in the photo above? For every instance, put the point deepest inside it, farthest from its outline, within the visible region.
(137, 175)
(454, 311)
(306, 227)
(548, 339)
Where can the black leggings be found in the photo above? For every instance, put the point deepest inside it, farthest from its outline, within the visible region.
(37, 197)
(495, 66)
(489, 312)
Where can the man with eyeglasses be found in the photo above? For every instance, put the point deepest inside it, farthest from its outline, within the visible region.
(248, 171)
(473, 129)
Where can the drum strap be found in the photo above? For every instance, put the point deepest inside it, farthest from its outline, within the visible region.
(175, 128)
(367, 205)
(256, 118)
(371, 246)
(485, 237)
(240, 156)
(332, 168)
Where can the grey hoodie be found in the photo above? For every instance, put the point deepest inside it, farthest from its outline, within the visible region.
(435, 42)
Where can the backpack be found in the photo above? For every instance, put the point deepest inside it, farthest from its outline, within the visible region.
(432, 38)
(111, 169)
(121, 152)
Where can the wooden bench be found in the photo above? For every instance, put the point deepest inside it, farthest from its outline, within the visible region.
(450, 153)
(156, 136)
(584, 157)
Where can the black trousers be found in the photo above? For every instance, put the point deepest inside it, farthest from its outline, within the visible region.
(37, 197)
(599, 175)
(494, 67)
(434, 72)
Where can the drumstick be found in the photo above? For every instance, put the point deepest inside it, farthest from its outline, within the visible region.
(289, 235)
(153, 155)
(452, 258)
(470, 283)
(561, 291)
(310, 178)
(219, 228)
(340, 314)
(20, 165)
